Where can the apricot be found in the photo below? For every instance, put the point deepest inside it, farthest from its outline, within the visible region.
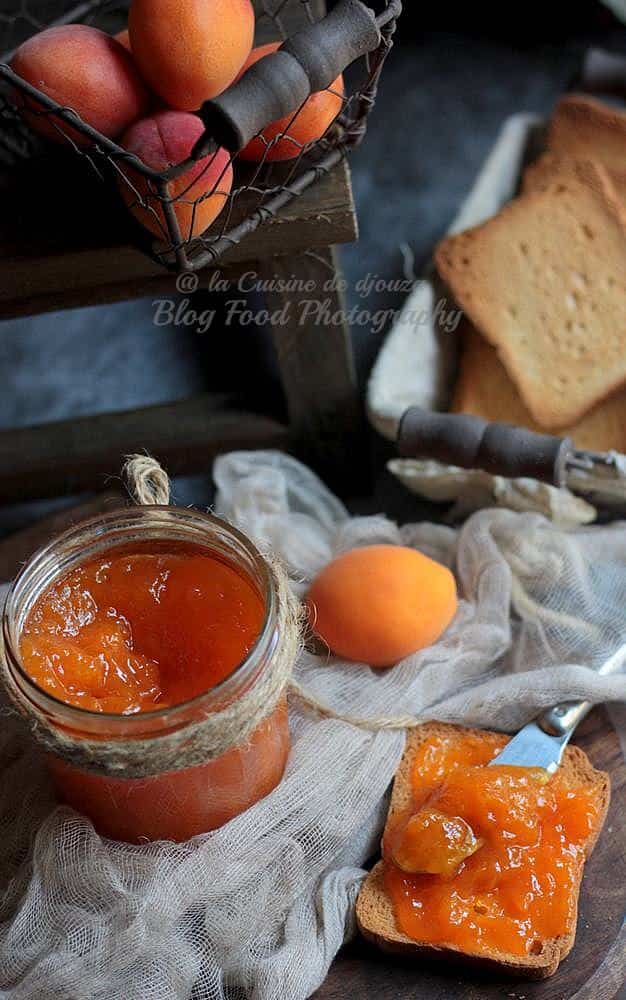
(306, 125)
(84, 69)
(433, 843)
(190, 50)
(380, 603)
(199, 194)
(123, 38)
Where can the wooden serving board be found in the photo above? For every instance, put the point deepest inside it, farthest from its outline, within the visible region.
(596, 967)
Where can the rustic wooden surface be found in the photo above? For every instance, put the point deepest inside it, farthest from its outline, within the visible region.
(360, 972)
(363, 973)
(78, 454)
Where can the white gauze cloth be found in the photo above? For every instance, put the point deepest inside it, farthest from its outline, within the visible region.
(259, 908)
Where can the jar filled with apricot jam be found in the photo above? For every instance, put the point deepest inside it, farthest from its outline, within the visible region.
(122, 637)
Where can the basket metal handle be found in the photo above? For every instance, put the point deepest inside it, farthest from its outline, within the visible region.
(309, 61)
(473, 443)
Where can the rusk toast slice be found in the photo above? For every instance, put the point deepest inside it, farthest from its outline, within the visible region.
(545, 282)
(484, 389)
(374, 909)
(585, 128)
(550, 167)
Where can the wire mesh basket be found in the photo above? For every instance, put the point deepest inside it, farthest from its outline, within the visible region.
(259, 112)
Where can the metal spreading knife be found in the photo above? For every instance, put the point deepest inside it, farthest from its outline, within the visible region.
(541, 743)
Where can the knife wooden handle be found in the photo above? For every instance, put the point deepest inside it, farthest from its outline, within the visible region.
(473, 443)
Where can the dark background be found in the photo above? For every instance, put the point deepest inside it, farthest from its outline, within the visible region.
(457, 71)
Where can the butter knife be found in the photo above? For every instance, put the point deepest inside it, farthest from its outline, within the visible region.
(541, 743)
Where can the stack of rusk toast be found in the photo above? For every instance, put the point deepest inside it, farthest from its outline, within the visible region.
(542, 286)
(375, 912)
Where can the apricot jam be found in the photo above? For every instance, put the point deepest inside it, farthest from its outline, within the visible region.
(518, 887)
(136, 628)
(132, 629)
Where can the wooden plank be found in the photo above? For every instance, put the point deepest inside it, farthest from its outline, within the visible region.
(362, 971)
(316, 363)
(63, 249)
(84, 453)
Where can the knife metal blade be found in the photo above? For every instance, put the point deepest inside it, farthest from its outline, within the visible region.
(541, 743)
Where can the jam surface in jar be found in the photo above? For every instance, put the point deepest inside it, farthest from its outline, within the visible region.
(141, 627)
(518, 887)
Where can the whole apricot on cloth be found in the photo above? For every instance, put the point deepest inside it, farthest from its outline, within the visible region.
(380, 603)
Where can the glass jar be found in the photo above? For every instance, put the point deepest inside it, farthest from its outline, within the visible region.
(177, 803)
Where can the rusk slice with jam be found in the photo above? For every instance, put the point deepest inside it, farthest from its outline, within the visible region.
(374, 909)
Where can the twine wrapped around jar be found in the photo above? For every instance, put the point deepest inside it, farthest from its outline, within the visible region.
(204, 738)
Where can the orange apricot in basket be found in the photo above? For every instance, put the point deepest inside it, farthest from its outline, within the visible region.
(380, 603)
(162, 140)
(123, 38)
(190, 50)
(284, 138)
(86, 70)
